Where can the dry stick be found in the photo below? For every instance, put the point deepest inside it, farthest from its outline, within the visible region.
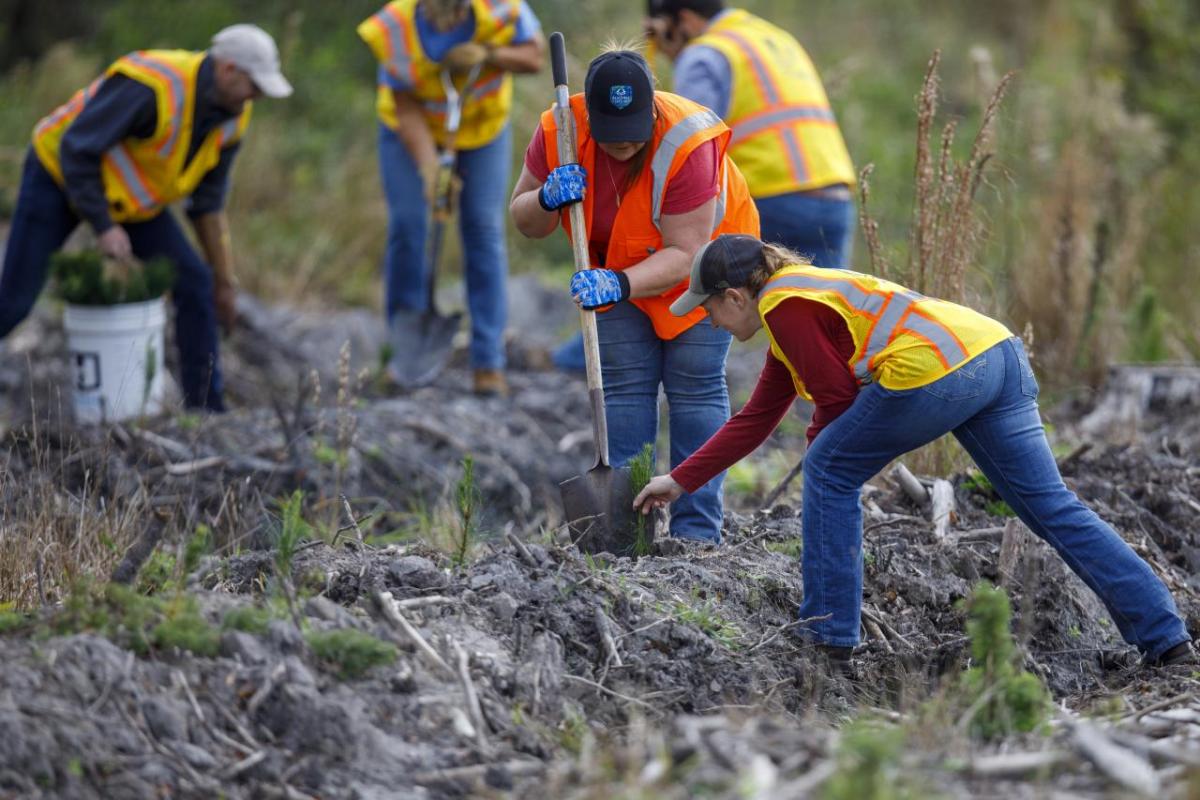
(182, 682)
(609, 691)
(392, 613)
(604, 628)
(233, 770)
(878, 617)
(785, 627)
(478, 771)
(473, 707)
(873, 628)
(1159, 706)
(522, 551)
(1120, 765)
(783, 484)
(264, 691)
(923, 173)
(1015, 765)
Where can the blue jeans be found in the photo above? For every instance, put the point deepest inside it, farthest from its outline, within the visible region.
(42, 222)
(818, 227)
(990, 405)
(691, 370)
(481, 213)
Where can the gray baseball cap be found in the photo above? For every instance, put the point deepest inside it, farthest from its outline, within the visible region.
(726, 262)
(252, 50)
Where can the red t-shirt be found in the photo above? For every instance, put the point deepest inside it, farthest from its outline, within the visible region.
(693, 186)
(817, 342)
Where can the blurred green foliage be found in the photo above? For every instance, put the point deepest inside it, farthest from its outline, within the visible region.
(1090, 196)
(82, 279)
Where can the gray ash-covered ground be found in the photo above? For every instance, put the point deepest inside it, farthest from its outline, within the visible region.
(676, 675)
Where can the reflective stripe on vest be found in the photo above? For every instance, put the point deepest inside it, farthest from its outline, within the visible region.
(177, 95)
(770, 94)
(480, 90)
(891, 311)
(664, 157)
(758, 123)
(131, 176)
(401, 61)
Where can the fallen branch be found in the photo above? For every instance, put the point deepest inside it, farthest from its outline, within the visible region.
(611, 692)
(943, 512)
(473, 707)
(1017, 765)
(909, 484)
(604, 628)
(387, 604)
(1119, 765)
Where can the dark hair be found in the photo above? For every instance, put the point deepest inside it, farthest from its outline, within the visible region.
(671, 8)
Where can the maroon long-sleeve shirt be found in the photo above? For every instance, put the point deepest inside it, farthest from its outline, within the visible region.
(817, 342)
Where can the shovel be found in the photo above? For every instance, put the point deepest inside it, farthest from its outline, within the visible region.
(422, 341)
(599, 503)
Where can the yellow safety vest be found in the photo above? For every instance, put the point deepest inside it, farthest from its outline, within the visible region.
(902, 339)
(143, 176)
(785, 138)
(392, 36)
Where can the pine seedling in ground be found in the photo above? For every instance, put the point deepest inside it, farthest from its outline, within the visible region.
(1001, 696)
(641, 470)
(292, 531)
(466, 502)
(350, 652)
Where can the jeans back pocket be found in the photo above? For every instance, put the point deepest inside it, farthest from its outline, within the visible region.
(1029, 384)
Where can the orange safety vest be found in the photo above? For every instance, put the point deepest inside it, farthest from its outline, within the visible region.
(785, 138)
(143, 176)
(681, 127)
(392, 36)
(902, 339)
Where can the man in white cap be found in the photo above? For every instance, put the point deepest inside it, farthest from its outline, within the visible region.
(156, 127)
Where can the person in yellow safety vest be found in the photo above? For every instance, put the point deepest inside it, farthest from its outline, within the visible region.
(891, 370)
(156, 127)
(414, 41)
(786, 142)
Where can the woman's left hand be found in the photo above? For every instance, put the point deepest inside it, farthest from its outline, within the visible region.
(660, 492)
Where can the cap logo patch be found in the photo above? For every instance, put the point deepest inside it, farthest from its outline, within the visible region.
(620, 96)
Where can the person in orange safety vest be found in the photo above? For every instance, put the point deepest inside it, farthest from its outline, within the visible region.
(656, 184)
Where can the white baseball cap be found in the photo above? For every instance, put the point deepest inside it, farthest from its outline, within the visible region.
(253, 50)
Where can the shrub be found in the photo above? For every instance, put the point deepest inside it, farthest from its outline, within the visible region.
(1002, 697)
(186, 628)
(350, 652)
(251, 619)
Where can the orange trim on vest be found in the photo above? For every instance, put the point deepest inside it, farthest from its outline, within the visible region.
(635, 236)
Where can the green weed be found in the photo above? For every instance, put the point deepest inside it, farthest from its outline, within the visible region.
(350, 652)
(868, 764)
(788, 547)
(251, 619)
(186, 628)
(704, 616)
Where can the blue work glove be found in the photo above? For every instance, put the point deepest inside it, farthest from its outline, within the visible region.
(595, 288)
(564, 186)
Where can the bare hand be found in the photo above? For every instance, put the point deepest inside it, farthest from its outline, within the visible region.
(114, 243)
(462, 57)
(660, 492)
(225, 301)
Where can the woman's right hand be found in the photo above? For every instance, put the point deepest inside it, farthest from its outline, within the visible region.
(661, 491)
(563, 186)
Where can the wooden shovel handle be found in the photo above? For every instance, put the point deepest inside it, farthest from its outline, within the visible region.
(565, 122)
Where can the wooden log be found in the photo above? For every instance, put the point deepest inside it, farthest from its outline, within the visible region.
(1119, 765)
(1013, 546)
(910, 485)
(943, 512)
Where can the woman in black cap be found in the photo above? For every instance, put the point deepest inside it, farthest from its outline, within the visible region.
(890, 370)
(655, 186)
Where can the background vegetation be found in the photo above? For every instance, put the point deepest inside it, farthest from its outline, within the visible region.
(1089, 206)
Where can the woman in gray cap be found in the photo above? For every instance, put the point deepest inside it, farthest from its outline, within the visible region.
(655, 184)
(890, 370)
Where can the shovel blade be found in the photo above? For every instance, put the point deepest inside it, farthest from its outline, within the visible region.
(422, 342)
(599, 511)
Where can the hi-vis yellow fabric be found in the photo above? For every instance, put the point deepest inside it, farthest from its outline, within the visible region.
(142, 176)
(785, 138)
(392, 36)
(902, 339)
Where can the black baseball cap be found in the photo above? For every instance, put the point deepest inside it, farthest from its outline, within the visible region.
(620, 97)
(726, 262)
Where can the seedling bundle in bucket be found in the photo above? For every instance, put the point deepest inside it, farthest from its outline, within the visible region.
(114, 320)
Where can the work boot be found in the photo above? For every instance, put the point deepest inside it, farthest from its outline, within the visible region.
(490, 383)
(1181, 655)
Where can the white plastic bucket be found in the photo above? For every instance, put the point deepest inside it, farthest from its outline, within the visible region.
(116, 357)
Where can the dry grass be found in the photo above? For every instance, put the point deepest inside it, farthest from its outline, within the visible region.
(50, 536)
(946, 229)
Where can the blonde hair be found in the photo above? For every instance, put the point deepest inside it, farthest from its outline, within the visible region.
(774, 258)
